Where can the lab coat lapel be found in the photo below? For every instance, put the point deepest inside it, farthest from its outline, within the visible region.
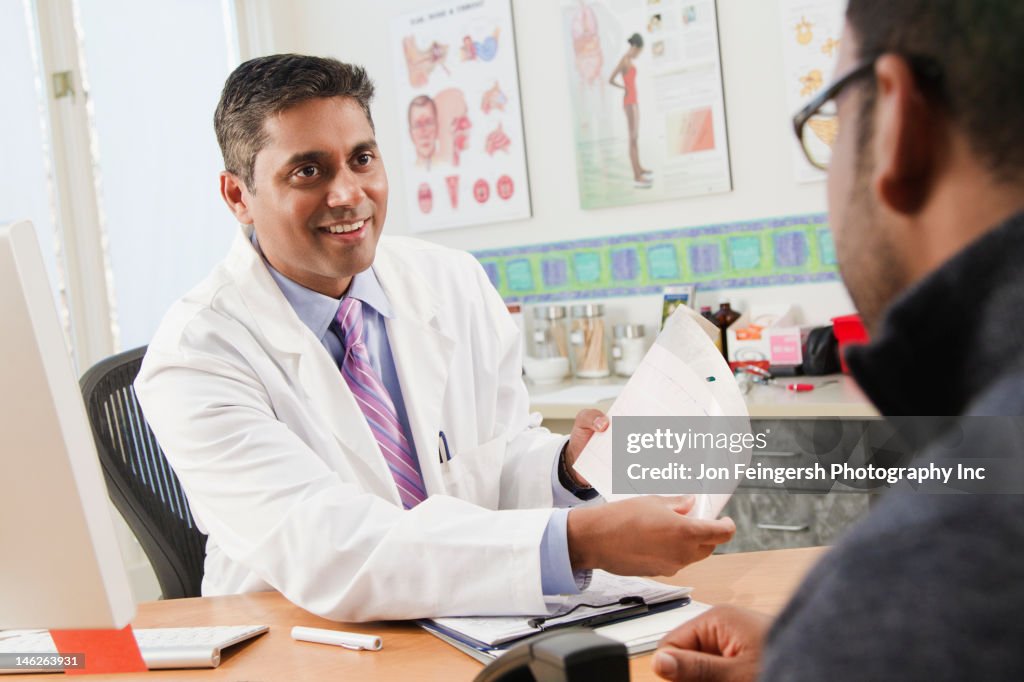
(423, 356)
(302, 356)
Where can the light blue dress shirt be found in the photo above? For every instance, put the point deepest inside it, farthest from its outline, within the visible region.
(317, 312)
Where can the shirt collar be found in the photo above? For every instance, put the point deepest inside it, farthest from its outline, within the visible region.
(316, 310)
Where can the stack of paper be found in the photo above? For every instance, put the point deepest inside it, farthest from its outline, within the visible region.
(642, 634)
(638, 610)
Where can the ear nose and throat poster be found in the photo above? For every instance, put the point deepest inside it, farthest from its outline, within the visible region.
(458, 89)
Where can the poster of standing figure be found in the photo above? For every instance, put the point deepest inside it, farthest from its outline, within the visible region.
(647, 100)
(464, 159)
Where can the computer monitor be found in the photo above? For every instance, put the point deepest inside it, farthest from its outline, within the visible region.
(60, 566)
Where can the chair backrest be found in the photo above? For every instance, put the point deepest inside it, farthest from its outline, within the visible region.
(139, 480)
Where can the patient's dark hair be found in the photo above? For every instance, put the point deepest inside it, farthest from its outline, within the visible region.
(636, 40)
(266, 86)
(978, 47)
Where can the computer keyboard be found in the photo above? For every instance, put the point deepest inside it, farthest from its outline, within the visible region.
(161, 648)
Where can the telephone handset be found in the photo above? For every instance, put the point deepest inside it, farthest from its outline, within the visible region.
(574, 655)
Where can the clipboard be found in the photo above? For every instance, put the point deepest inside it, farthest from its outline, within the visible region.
(484, 652)
(608, 598)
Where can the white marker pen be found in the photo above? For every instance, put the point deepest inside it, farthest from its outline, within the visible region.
(349, 640)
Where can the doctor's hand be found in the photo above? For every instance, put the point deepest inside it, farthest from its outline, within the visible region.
(588, 422)
(722, 645)
(647, 535)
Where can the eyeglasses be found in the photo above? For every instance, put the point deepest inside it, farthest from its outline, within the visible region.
(817, 124)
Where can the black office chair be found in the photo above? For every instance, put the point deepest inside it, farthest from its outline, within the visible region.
(140, 482)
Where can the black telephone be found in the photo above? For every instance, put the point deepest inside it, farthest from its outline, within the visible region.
(574, 655)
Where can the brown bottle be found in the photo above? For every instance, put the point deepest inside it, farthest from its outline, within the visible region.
(724, 317)
(705, 312)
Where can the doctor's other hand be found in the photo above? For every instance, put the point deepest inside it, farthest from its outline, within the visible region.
(722, 645)
(647, 535)
(588, 422)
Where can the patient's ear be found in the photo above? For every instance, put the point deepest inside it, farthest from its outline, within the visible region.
(236, 196)
(905, 143)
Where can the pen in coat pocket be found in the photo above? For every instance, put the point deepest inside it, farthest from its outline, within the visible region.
(443, 453)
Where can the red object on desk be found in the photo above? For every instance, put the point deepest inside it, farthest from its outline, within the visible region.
(105, 651)
(849, 331)
(800, 388)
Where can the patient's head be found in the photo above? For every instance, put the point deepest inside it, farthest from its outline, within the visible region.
(929, 151)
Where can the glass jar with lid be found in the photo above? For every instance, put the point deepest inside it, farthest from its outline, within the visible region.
(548, 360)
(629, 348)
(589, 341)
(550, 337)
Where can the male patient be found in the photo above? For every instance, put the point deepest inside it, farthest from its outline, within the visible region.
(926, 201)
(346, 412)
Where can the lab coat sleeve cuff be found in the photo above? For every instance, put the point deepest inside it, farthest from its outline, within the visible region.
(556, 574)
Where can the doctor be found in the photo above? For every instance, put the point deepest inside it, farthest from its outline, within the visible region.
(346, 413)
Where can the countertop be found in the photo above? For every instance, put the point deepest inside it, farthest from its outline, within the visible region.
(837, 396)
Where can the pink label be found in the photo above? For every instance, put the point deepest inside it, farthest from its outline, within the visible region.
(785, 349)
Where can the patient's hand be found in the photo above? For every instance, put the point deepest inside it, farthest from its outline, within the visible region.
(723, 644)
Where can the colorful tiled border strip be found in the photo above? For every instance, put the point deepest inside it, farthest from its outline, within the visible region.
(789, 250)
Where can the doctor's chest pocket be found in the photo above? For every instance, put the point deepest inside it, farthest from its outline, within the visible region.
(474, 474)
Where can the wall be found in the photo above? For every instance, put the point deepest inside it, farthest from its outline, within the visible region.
(758, 123)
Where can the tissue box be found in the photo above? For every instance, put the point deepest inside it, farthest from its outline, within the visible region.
(764, 336)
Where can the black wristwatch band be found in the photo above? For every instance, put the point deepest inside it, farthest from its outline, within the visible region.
(582, 492)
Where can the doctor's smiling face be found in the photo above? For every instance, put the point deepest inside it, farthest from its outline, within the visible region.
(316, 192)
(320, 194)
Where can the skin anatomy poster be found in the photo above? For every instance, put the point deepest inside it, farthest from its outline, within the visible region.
(645, 80)
(458, 89)
(811, 32)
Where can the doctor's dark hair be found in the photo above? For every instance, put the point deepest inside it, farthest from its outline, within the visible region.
(636, 40)
(266, 86)
(977, 51)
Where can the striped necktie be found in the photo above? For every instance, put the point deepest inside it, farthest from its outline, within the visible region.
(376, 404)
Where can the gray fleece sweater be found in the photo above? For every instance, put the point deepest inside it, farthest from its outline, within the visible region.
(929, 587)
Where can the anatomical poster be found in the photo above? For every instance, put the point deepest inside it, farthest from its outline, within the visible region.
(810, 48)
(464, 158)
(645, 81)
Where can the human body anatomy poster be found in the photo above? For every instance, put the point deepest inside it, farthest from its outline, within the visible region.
(810, 49)
(458, 91)
(645, 80)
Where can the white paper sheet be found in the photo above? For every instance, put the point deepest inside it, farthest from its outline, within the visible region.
(642, 634)
(683, 374)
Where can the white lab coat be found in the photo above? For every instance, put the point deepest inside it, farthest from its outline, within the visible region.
(282, 471)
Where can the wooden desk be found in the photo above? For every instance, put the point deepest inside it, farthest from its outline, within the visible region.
(759, 580)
